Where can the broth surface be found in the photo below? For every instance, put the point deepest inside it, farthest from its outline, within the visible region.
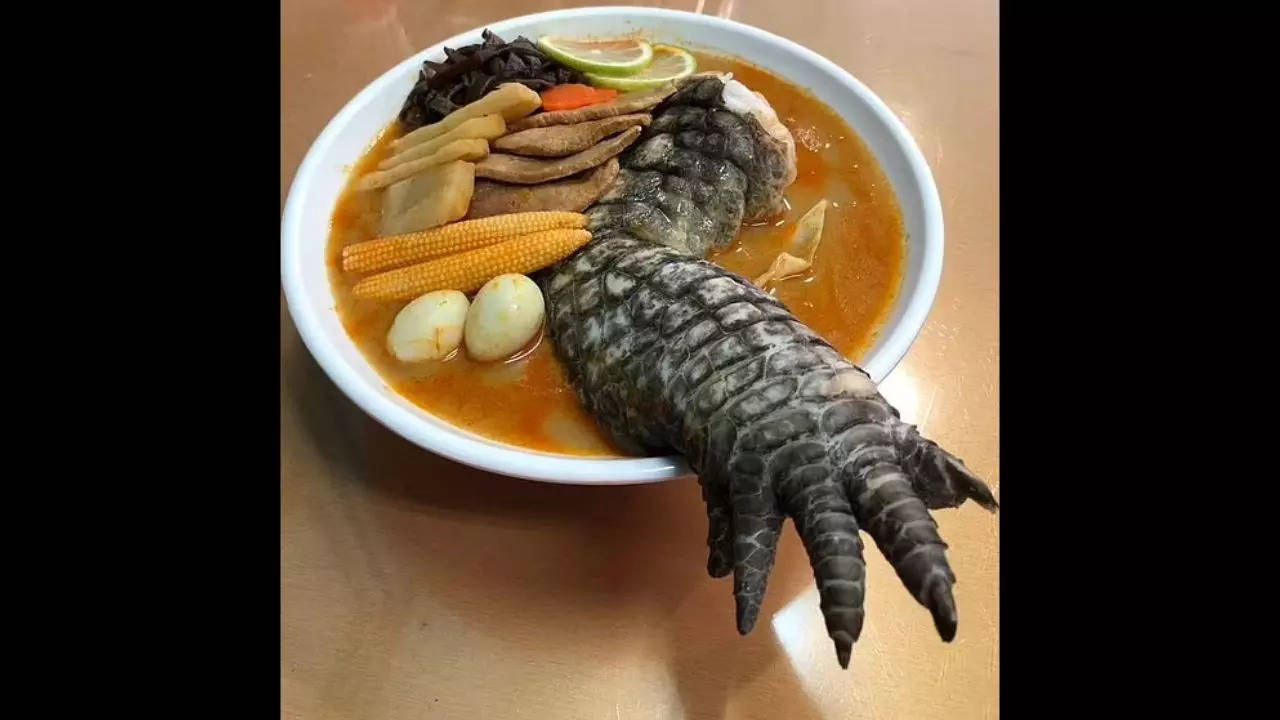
(528, 402)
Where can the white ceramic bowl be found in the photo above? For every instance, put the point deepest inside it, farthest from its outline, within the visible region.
(322, 175)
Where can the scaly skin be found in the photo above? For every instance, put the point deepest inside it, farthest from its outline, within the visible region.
(669, 351)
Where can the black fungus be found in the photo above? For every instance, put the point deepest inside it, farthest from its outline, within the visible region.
(469, 72)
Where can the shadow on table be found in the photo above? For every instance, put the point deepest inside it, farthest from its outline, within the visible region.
(602, 555)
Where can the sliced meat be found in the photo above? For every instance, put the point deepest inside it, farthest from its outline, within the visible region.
(562, 140)
(572, 194)
(527, 171)
(629, 103)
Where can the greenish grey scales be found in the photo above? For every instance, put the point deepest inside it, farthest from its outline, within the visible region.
(671, 352)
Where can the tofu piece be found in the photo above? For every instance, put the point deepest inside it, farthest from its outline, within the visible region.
(429, 199)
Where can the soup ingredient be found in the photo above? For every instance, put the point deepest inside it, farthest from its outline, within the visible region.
(699, 107)
(740, 100)
(484, 398)
(390, 252)
(573, 193)
(784, 266)
(621, 105)
(511, 101)
(562, 140)
(467, 271)
(470, 72)
(674, 352)
(669, 351)
(507, 313)
(574, 95)
(670, 64)
(808, 234)
(516, 169)
(429, 328)
(435, 196)
(610, 56)
(700, 172)
(486, 127)
(473, 149)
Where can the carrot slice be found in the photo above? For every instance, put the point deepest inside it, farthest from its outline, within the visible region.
(573, 96)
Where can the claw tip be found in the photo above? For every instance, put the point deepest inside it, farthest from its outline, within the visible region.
(844, 648)
(747, 613)
(988, 501)
(943, 608)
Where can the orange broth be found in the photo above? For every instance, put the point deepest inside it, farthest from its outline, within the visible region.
(528, 401)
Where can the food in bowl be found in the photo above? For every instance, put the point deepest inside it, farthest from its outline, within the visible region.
(844, 295)
(668, 223)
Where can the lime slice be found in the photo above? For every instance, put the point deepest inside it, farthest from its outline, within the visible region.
(619, 56)
(669, 64)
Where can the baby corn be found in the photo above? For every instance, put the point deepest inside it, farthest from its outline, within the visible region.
(467, 271)
(410, 248)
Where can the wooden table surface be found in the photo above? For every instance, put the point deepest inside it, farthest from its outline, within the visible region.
(415, 587)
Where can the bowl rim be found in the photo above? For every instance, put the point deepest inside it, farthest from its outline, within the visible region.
(532, 465)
